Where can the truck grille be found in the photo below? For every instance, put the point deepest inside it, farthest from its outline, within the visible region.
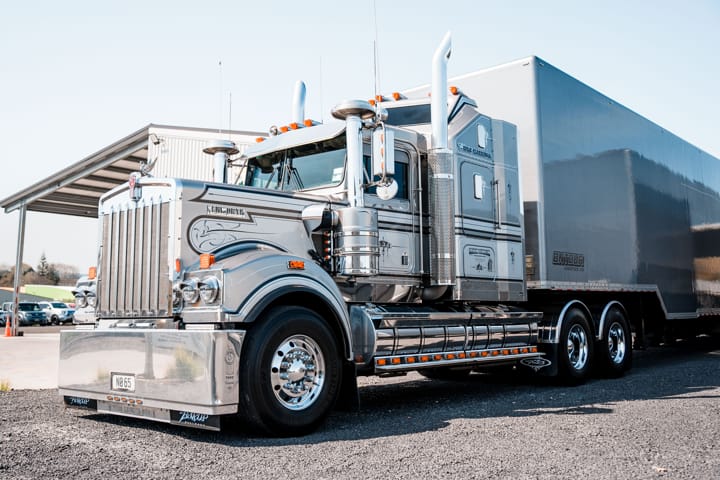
(134, 273)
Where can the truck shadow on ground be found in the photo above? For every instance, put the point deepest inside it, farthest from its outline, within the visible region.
(413, 404)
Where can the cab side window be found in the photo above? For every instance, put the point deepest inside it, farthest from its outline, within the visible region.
(401, 176)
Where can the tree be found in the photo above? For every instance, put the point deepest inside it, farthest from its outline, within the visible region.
(43, 267)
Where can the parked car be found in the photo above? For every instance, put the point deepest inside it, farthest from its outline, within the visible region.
(29, 313)
(58, 313)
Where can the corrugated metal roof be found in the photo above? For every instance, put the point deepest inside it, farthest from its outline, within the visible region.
(76, 189)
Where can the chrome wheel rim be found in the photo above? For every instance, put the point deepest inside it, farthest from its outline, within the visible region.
(297, 372)
(616, 343)
(577, 347)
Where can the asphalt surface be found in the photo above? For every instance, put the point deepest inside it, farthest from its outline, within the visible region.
(662, 420)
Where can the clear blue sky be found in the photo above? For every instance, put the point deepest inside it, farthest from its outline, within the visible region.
(77, 75)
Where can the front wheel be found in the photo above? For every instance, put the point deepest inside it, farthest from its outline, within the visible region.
(290, 372)
(575, 349)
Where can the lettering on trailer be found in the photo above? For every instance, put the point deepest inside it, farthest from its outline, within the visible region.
(571, 261)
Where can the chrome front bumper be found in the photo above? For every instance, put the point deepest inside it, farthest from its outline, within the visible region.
(179, 376)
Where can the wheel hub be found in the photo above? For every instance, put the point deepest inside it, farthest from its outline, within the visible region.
(297, 372)
(616, 343)
(577, 347)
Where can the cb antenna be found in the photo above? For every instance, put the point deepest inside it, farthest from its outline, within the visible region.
(229, 114)
(220, 105)
(375, 52)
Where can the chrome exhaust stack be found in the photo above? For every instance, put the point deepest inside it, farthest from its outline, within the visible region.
(298, 113)
(442, 175)
(356, 239)
(221, 151)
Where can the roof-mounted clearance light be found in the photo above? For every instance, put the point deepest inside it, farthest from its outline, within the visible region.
(454, 90)
(259, 139)
(398, 96)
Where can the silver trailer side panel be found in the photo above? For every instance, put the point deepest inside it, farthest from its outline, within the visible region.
(610, 198)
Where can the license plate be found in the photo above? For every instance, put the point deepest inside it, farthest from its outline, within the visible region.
(122, 381)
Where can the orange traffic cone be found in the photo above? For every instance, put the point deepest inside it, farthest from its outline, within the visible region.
(8, 331)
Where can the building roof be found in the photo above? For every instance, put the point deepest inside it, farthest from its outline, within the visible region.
(76, 189)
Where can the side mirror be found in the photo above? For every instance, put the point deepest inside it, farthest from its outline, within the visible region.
(383, 161)
(383, 153)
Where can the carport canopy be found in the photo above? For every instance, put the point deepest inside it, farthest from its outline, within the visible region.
(76, 190)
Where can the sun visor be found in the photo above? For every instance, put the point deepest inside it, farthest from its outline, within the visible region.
(294, 138)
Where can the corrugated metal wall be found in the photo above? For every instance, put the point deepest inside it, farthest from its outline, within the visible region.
(180, 153)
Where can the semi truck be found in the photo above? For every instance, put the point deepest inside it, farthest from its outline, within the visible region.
(416, 234)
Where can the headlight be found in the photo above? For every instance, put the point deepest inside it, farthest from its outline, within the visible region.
(209, 289)
(177, 294)
(91, 299)
(81, 301)
(190, 291)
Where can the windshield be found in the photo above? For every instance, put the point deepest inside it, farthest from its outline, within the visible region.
(59, 305)
(303, 167)
(28, 307)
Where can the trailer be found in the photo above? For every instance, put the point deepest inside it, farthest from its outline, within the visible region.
(613, 202)
(417, 234)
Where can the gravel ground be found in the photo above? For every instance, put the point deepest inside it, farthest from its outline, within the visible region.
(662, 420)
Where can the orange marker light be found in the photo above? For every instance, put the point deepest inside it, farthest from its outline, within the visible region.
(372, 102)
(92, 273)
(294, 126)
(284, 129)
(396, 95)
(308, 123)
(410, 360)
(178, 265)
(206, 260)
(259, 139)
(396, 360)
(382, 362)
(454, 90)
(296, 265)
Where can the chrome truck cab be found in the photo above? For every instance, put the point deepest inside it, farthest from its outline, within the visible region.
(386, 243)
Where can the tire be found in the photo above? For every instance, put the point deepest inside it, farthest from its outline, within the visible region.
(576, 348)
(446, 373)
(290, 373)
(614, 351)
(54, 320)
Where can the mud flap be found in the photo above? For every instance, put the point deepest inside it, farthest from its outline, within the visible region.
(349, 396)
(545, 366)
